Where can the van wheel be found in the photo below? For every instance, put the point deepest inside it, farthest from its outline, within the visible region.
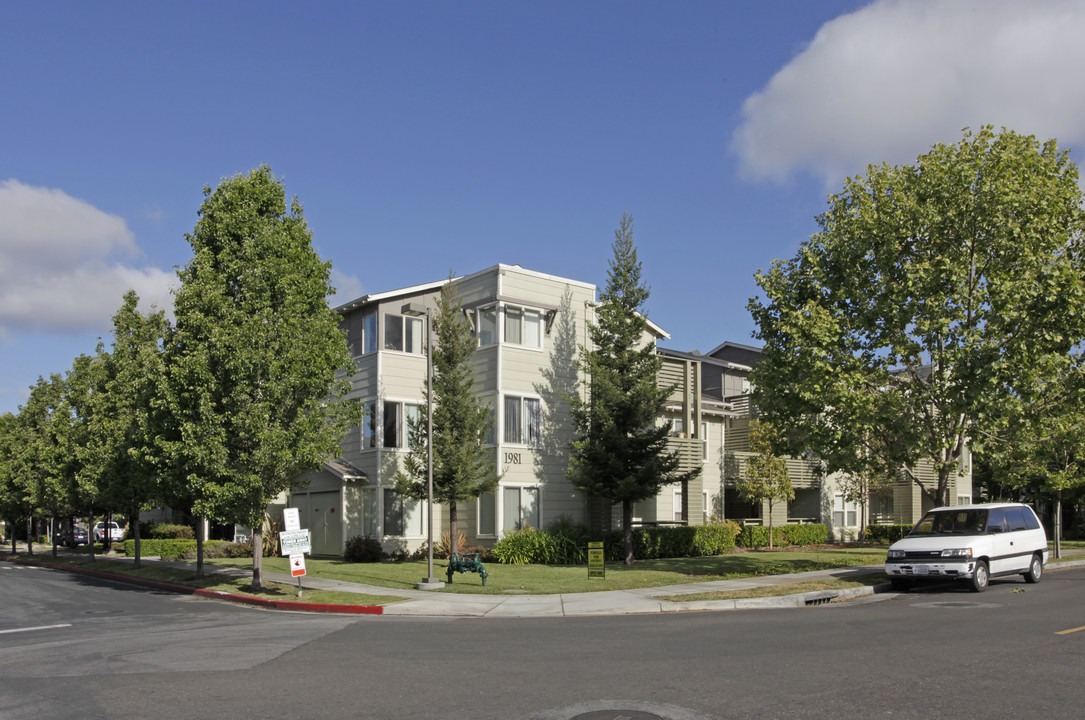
(980, 578)
(1035, 570)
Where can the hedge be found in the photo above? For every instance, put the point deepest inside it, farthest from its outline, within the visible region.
(172, 548)
(886, 533)
(650, 543)
(757, 536)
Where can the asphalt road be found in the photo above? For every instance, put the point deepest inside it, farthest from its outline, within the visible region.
(74, 647)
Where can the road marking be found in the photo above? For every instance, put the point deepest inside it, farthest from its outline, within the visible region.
(1071, 630)
(42, 627)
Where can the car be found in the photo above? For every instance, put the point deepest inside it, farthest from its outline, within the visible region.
(970, 544)
(115, 532)
(71, 537)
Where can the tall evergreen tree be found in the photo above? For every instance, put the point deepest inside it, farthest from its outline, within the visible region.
(463, 469)
(621, 454)
(257, 362)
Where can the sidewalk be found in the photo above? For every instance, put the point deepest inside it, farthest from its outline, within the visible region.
(607, 602)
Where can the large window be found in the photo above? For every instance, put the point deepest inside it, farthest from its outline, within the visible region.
(403, 333)
(677, 511)
(522, 420)
(523, 327)
(369, 425)
(369, 512)
(361, 332)
(398, 417)
(845, 514)
(402, 516)
(487, 325)
(521, 508)
(487, 514)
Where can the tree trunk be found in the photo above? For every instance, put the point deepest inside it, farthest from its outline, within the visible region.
(627, 528)
(453, 529)
(770, 524)
(258, 558)
(53, 534)
(30, 535)
(90, 535)
(199, 546)
(135, 539)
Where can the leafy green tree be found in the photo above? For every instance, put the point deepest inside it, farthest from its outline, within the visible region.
(47, 451)
(1036, 441)
(621, 452)
(257, 363)
(928, 295)
(121, 419)
(16, 496)
(766, 478)
(463, 469)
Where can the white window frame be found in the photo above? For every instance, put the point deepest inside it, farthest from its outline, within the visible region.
(370, 423)
(526, 429)
(845, 511)
(491, 499)
(402, 439)
(528, 323)
(412, 514)
(487, 332)
(506, 510)
(676, 509)
(411, 333)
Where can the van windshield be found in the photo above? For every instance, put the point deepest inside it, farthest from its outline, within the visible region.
(953, 522)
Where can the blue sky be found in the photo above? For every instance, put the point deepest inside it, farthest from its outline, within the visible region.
(426, 137)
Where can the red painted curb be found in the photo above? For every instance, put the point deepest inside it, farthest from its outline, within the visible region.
(211, 594)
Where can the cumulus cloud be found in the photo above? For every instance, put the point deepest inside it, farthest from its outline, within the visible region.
(347, 288)
(61, 266)
(886, 82)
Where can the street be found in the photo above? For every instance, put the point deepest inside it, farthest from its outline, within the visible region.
(74, 647)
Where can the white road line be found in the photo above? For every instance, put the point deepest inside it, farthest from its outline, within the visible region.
(43, 627)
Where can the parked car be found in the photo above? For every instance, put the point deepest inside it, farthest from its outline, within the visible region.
(71, 537)
(972, 544)
(115, 532)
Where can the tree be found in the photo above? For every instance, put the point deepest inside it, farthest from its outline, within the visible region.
(621, 452)
(1037, 438)
(16, 497)
(766, 477)
(47, 453)
(122, 422)
(929, 294)
(257, 364)
(463, 469)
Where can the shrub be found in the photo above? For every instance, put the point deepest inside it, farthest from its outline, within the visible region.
(886, 533)
(443, 547)
(806, 534)
(181, 549)
(363, 549)
(663, 542)
(757, 536)
(529, 545)
(166, 531)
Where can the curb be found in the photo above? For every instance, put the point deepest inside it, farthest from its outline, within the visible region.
(294, 605)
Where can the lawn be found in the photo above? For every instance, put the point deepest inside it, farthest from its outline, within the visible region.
(543, 579)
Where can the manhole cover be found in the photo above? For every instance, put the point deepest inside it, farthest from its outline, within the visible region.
(617, 715)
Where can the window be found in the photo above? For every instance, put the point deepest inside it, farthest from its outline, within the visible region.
(361, 332)
(521, 508)
(402, 516)
(678, 505)
(522, 421)
(369, 425)
(523, 327)
(403, 333)
(369, 332)
(487, 326)
(845, 514)
(397, 423)
(705, 516)
(704, 443)
(369, 512)
(487, 514)
(964, 500)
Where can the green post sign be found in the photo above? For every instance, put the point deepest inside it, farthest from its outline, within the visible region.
(596, 564)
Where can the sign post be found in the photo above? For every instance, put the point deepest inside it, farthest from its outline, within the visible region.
(294, 542)
(596, 560)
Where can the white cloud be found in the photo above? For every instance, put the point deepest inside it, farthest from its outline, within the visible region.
(58, 263)
(886, 82)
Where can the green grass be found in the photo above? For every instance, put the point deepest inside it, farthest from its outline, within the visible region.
(543, 579)
(779, 590)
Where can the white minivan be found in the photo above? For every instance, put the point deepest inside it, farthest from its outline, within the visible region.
(971, 543)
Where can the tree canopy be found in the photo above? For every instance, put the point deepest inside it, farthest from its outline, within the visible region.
(931, 293)
(766, 477)
(257, 362)
(621, 451)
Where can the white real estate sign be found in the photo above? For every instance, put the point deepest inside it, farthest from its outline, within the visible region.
(294, 542)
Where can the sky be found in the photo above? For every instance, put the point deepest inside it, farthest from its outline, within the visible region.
(425, 138)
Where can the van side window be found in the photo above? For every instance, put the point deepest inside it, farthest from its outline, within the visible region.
(1015, 518)
(1031, 521)
(996, 521)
